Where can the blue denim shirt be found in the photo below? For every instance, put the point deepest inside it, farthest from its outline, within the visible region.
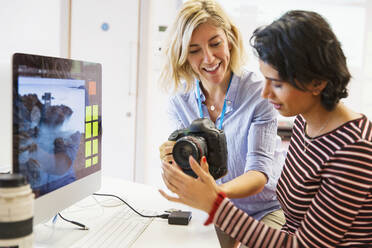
(250, 126)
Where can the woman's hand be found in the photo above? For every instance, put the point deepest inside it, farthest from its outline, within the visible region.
(198, 192)
(166, 151)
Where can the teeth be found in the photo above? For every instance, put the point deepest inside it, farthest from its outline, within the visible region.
(212, 68)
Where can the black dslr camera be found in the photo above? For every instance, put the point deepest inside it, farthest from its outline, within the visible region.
(202, 138)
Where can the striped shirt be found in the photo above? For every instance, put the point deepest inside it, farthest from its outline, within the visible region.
(325, 192)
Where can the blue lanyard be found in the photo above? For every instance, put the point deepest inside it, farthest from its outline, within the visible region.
(224, 102)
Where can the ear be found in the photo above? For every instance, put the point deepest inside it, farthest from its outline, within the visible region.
(317, 87)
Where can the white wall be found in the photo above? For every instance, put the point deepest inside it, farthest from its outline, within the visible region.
(37, 27)
(116, 48)
(152, 122)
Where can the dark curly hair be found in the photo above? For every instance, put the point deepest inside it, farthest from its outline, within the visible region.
(302, 47)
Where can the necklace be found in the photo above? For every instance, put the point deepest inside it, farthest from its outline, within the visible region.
(308, 141)
(212, 107)
(224, 102)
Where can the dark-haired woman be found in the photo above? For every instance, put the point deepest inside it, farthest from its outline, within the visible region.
(325, 188)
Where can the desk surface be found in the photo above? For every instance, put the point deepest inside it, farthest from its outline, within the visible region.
(158, 234)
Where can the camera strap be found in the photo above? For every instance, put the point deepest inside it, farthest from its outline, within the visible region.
(224, 102)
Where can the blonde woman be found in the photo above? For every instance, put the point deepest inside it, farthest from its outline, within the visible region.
(204, 66)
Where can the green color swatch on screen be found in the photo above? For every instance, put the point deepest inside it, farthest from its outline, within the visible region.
(88, 113)
(88, 130)
(88, 148)
(95, 146)
(88, 163)
(95, 160)
(91, 131)
(95, 112)
(95, 128)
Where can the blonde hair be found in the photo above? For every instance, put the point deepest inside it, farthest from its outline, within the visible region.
(193, 13)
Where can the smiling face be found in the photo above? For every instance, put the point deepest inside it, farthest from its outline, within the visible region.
(287, 99)
(209, 54)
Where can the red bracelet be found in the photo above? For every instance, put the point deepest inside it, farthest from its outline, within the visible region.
(221, 195)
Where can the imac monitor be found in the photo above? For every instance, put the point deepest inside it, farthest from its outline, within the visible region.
(57, 115)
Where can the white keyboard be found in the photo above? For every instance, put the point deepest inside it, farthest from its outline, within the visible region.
(122, 229)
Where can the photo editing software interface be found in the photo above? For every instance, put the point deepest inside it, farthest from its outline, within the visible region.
(56, 120)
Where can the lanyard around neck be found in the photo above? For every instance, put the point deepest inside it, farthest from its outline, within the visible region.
(224, 102)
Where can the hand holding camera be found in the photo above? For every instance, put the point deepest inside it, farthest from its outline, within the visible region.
(202, 138)
(166, 151)
(198, 193)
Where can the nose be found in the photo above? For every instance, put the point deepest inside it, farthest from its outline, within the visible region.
(208, 56)
(266, 91)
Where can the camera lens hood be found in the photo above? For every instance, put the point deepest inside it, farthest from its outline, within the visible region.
(186, 146)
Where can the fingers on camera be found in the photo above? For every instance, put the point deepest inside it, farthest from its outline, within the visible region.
(167, 158)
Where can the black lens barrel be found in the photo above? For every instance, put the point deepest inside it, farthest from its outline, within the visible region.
(16, 229)
(195, 146)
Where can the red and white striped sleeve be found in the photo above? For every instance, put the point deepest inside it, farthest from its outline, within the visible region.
(339, 215)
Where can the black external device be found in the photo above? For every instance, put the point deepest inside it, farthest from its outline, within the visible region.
(179, 218)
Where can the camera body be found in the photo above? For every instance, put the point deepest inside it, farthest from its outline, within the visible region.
(202, 138)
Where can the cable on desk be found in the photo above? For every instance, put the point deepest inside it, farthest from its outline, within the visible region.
(83, 227)
(163, 216)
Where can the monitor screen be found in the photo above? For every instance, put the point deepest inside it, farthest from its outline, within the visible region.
(57, 116)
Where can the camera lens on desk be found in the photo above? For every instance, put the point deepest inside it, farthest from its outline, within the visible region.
(16, 211)
(189, 145)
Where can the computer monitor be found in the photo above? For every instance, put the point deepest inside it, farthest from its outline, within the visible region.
(57, 116)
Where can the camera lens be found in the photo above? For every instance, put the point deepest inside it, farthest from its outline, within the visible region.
(16, 211)
(186, 146)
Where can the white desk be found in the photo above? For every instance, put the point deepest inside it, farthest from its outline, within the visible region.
(158, 234)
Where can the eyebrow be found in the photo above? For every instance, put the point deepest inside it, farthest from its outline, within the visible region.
(274, 79)
(214, 37)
